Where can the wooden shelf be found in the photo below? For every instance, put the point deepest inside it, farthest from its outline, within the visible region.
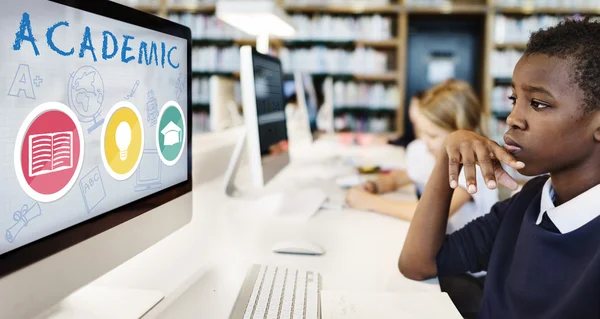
(390, 76)
(278, 43)
(206, 8)
(504, 81)
(500, 115)
(451, 9)
(508, 45)
(384, 44)
(201, 106)
(392, 43)
(148, 8)
(220, 73)
(363, 109)
(539, 10)
(343, 9)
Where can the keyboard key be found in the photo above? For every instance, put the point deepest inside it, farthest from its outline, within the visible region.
(288, 295)
(276, 292)
(299, 296)
(265, 292)
(312, 297)
(255, 290)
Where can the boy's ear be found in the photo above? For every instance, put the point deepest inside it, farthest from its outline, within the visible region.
(596, 126)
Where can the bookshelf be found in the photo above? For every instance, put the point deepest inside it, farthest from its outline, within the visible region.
(399, 13)
(344, 9)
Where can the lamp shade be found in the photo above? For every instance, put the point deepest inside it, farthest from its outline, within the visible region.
(256, 17)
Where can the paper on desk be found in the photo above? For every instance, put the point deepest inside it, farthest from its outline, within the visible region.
(361, 305)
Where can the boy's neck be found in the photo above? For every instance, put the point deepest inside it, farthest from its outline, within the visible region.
(570, 183)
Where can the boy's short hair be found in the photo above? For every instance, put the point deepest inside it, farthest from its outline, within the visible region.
(579, 42)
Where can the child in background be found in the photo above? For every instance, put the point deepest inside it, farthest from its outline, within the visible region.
(540, 248)
(413, 113)
(445, 108)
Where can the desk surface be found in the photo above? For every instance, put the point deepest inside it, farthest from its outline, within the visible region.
(201, 267)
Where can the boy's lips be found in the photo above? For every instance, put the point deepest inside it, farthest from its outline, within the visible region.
(511, 145)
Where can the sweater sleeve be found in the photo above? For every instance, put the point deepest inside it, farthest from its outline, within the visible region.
(469, 248)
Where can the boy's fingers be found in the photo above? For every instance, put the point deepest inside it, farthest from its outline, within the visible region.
(504, 156)
(504, 178)
(468, 159)
(486, 164)
(454, 166)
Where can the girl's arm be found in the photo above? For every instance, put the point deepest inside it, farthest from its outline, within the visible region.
(386, 183)
(405, 210)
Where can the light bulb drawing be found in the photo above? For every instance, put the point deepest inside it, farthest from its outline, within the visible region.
(123, 139)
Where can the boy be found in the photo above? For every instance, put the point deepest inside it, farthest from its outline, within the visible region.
(541, 247)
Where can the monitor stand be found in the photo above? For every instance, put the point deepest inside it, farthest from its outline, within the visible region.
(234, 165)
(95, 301)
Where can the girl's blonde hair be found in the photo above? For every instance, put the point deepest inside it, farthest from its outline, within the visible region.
(453, 105)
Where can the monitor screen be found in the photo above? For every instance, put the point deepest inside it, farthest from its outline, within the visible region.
(310, 96)
(270, 104)
(94, 115)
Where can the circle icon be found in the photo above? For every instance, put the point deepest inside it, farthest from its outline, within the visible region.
(170, 133)
(86, 95)
(122, 140)
(49, 152)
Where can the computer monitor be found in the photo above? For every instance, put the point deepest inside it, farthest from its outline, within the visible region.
(87, 159)
(265, 138)
(301, 109)
(307, 97)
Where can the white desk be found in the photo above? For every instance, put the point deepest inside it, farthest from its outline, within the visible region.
(201, 267)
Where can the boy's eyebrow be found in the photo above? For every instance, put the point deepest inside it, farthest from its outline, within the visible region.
(538, 89)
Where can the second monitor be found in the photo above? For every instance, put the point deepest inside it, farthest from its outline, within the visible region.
(265, 138)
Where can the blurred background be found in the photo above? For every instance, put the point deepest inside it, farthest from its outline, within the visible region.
(367, 58)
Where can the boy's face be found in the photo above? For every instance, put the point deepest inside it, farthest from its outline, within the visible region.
(547, 129)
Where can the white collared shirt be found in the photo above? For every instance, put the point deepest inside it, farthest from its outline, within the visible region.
(570, 215)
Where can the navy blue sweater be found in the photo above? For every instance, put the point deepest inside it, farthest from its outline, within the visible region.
(532, 272)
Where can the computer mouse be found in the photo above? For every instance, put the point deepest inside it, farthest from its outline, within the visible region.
(299, 247)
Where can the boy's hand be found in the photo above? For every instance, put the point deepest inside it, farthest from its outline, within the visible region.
(470, 149)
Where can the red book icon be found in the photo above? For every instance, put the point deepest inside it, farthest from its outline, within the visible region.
(51, 152)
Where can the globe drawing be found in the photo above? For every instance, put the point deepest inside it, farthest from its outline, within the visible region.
(86, 95)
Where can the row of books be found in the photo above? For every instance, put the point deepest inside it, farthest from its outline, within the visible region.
(213, 58)
(500, 100)
(518, 30)
(362, 123)
(200, 122)
(190, 2)
(427, 3)
(337, 2)
(497, 128)
(574, 4)
(325, 60)
(363, 95)
(200, 90)
(135, 3)
(207, 26)
(342, 28)
(318, 27)
(503, 62)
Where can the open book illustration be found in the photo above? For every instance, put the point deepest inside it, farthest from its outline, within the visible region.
(50, 152)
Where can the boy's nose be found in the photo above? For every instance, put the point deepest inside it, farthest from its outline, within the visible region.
(516, 120)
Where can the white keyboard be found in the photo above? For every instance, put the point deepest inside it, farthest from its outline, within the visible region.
(277, 292)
